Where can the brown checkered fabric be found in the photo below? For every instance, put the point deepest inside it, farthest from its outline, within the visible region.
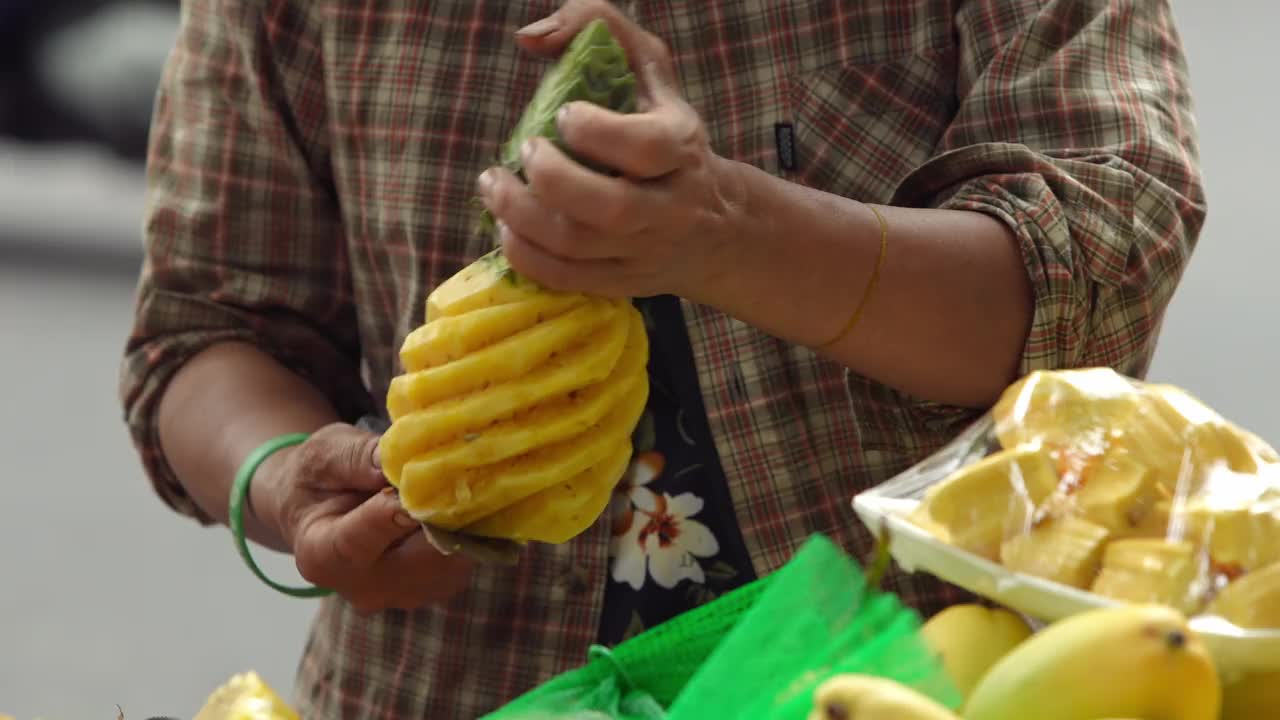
(310, 173)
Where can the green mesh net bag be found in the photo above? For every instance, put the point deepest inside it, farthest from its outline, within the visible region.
(758, 652)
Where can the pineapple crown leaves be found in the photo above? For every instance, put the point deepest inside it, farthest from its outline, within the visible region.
(593, 68)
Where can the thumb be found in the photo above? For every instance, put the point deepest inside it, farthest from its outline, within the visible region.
(351, 459)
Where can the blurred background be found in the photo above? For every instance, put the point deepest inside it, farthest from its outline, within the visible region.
(108, 599)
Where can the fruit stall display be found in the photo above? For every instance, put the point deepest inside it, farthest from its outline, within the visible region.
(1083, 489)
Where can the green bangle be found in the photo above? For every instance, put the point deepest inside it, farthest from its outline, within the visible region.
(240, 490)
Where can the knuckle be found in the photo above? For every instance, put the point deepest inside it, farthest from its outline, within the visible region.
(657, 48)
(311, 568)
(617, 207)
(345, 550)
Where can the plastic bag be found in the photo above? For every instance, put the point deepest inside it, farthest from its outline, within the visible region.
(758, 652)
(1084, 487)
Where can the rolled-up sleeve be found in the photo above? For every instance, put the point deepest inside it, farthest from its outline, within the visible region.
(1074, 127)
(243, 239)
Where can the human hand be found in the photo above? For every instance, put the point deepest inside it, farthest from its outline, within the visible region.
(330, 502)
(664, 225)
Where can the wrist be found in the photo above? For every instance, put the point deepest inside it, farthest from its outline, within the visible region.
(730, 238)
(265, 500)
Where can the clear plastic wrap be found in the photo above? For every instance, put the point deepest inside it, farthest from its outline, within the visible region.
(1084, 487)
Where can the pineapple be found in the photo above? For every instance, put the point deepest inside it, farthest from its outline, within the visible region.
(1066, 550)
(1119, 493)
(1242, 535)
(513, 416)
(1252, 601)
(995, 498)
(471, 438)
(245, 697)
(1152, 570)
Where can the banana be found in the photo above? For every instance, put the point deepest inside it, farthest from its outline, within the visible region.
(851, 696)
(1136, 660)
(969, 638)
(1251, 697)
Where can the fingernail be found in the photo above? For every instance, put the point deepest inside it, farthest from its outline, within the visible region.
(485, 182)
(376, 457)
(562, 116)
(403, 520)
(541, 28)
(526, 151)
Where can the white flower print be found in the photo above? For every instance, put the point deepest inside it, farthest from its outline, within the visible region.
(654, 534)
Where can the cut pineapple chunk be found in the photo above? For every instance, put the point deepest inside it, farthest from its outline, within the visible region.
(1118, 493)
(1251, 601)
(1153, 570)
(981, 505)
(1245, 536)
(1066, 550)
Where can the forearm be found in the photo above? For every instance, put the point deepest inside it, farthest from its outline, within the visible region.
(221, 405)
(947, 321)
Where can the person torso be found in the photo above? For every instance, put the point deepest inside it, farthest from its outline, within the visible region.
(846, 97)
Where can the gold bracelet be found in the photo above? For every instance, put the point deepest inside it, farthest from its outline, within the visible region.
(871, 284)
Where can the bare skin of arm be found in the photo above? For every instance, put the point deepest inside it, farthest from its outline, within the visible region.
(325, 501)
(953, 306)
(947, 320)
(221, 405)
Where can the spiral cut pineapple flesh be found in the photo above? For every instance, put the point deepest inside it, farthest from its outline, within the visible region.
(514, 414)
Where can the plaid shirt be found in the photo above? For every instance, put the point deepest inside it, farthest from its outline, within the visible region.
(310, 172)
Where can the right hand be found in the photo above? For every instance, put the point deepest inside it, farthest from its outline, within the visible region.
(331, 504)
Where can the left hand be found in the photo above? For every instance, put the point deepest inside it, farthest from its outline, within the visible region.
(665, 225)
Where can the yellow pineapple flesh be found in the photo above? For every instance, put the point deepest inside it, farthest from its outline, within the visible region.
(448, 338)
(979, 506)
(459, 417)
(1243, 536)
(514, 407)
(1252, 600)
(1066, 550)
(1153, 570)
(508, 359)
(453, 494)
(562, 510)
(1118, 493)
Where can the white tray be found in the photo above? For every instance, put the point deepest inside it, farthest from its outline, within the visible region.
(915, 550)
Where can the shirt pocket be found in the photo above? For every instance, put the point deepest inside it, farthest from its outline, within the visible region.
(857, 128)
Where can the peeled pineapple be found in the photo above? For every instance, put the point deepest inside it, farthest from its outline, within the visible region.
(514, 415)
